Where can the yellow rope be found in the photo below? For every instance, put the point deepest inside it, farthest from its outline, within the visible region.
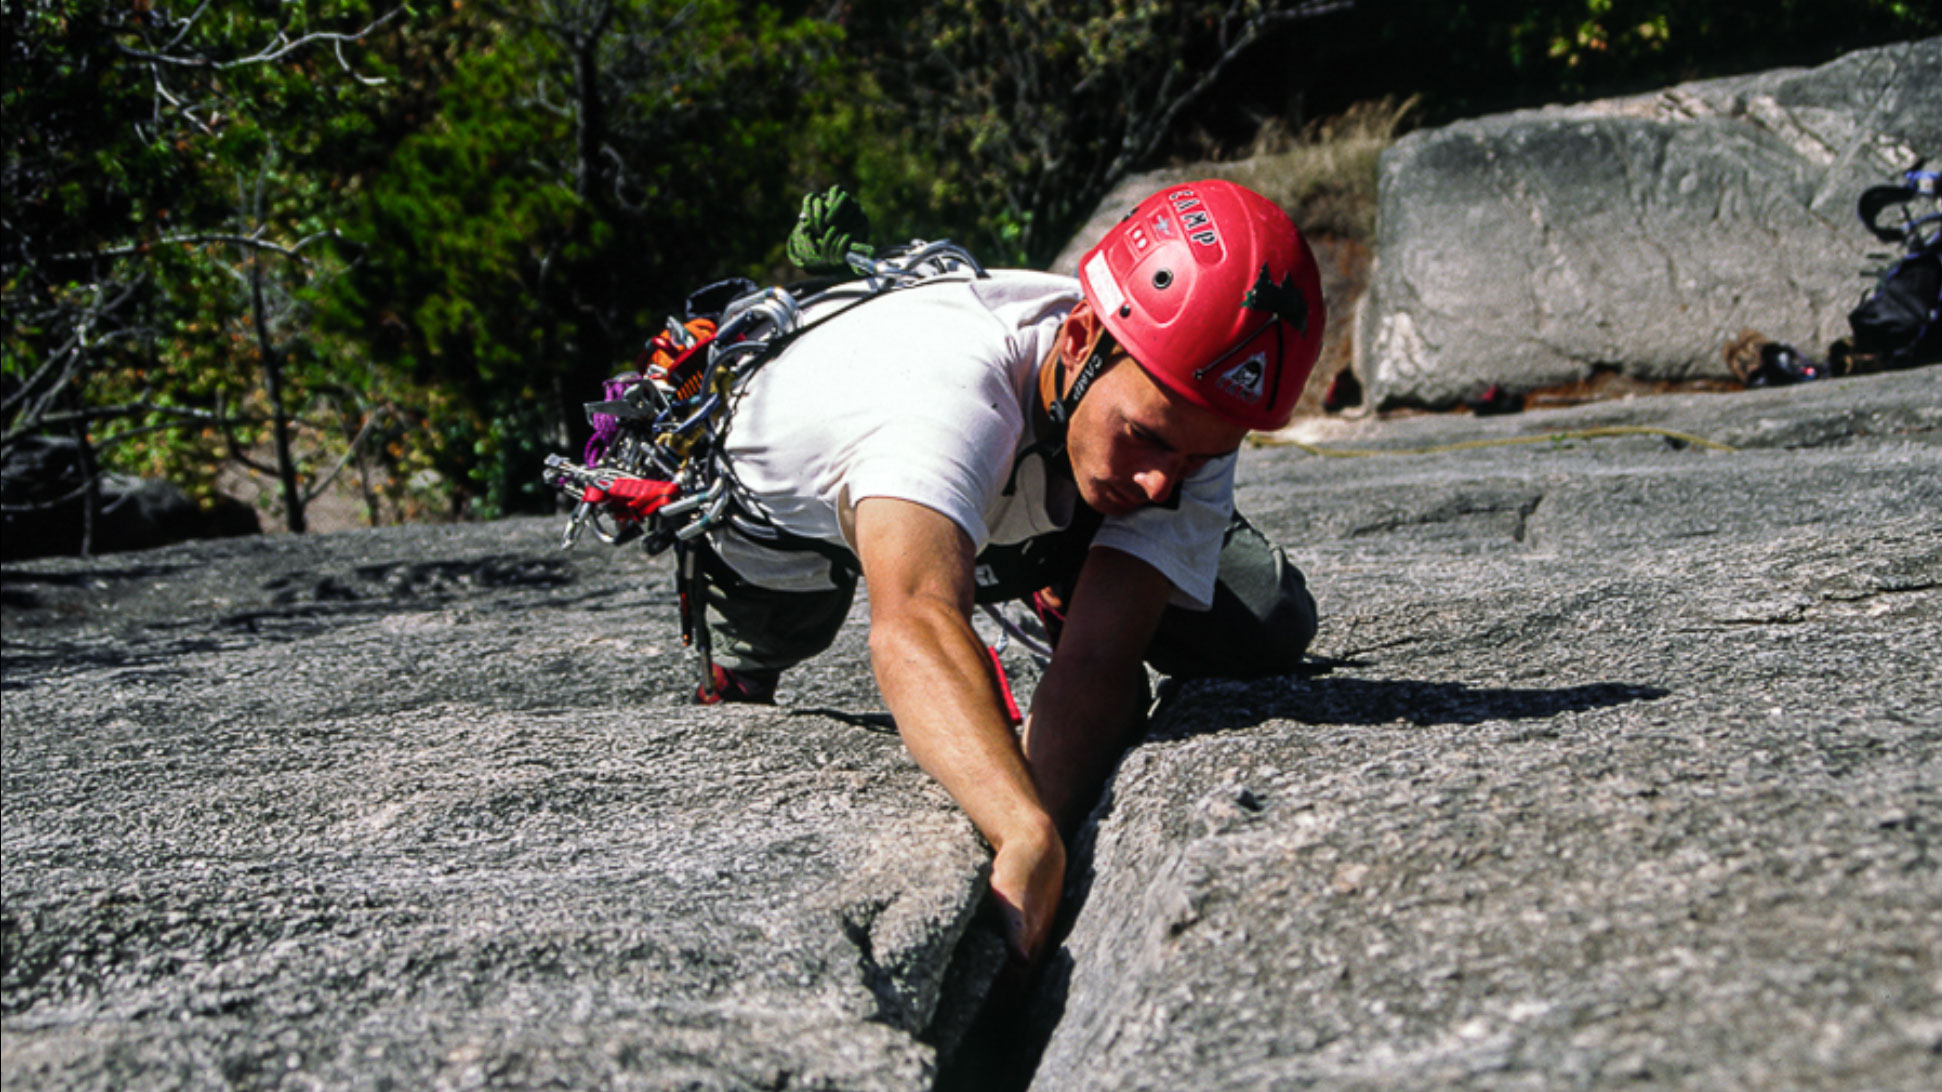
(1471, 445)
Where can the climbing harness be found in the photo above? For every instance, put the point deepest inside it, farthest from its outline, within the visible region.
(656, 468)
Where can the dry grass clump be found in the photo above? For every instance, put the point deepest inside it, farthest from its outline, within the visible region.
(1325, 174)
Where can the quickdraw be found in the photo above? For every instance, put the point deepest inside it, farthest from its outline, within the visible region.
(656, 468)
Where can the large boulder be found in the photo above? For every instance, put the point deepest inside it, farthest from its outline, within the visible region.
(1637, 235)
(44, 508)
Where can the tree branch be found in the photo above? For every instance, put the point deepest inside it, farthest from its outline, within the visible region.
(317, 487)
(255, 242)
(275, 50)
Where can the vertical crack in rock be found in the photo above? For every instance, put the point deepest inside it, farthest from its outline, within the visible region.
(893, 1007)
(1005, 1029)
(966, 990)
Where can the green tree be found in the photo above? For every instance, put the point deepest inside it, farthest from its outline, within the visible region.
(1026, 112)
(591, 161)
(163, 221)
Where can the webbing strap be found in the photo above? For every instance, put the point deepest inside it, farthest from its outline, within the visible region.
(770, 537)
(1066, 401)
(1051, 446)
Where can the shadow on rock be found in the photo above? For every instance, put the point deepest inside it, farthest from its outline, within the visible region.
(882, 724)
(15, 581)
(1003, 1050)
(1205, 706)
(30, 662)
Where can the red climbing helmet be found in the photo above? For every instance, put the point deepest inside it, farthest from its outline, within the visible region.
(1215, 294)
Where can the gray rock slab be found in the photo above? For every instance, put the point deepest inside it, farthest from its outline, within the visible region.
(426, 808)
(1619, 767)
(1637, 235)
(1625, 770)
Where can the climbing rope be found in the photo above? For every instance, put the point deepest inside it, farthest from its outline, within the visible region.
(1507, 441)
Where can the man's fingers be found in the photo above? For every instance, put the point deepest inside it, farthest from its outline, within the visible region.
(1027, 881)
(1024, 930)
(1020, 938)
(1016, 940)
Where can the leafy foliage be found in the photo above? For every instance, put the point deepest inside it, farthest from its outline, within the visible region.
(315, 238)
(166, 184)
(1027, 111)
(590, 161)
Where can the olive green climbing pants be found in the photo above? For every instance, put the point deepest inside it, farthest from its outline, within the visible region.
(1261, 621)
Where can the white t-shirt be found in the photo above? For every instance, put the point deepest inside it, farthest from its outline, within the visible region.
(925, 394)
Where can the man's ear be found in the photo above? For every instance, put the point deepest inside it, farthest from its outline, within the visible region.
(1078, 337)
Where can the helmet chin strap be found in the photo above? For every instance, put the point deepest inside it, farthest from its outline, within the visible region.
(1061, 403)
(1061, 407)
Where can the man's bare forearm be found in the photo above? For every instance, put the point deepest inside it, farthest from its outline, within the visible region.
(1088, 706)
(931, 669)
(1084, 714)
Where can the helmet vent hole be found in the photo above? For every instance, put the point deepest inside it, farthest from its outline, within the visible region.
(1163, 279)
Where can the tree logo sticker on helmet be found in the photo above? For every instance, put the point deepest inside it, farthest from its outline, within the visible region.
(1283, 300)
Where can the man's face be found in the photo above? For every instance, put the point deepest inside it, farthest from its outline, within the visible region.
(1132, 442)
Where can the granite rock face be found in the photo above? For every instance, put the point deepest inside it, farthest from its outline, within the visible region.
(422, 808)
(1619, 765)
(1638, 235)
(1625, 770)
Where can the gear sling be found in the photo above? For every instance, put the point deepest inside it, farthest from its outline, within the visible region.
(656, 468)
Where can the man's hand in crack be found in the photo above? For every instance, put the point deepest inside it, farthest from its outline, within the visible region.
(934, 675)
(1027, 875)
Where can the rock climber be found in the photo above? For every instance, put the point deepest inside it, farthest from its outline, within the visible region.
(1029, 435)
